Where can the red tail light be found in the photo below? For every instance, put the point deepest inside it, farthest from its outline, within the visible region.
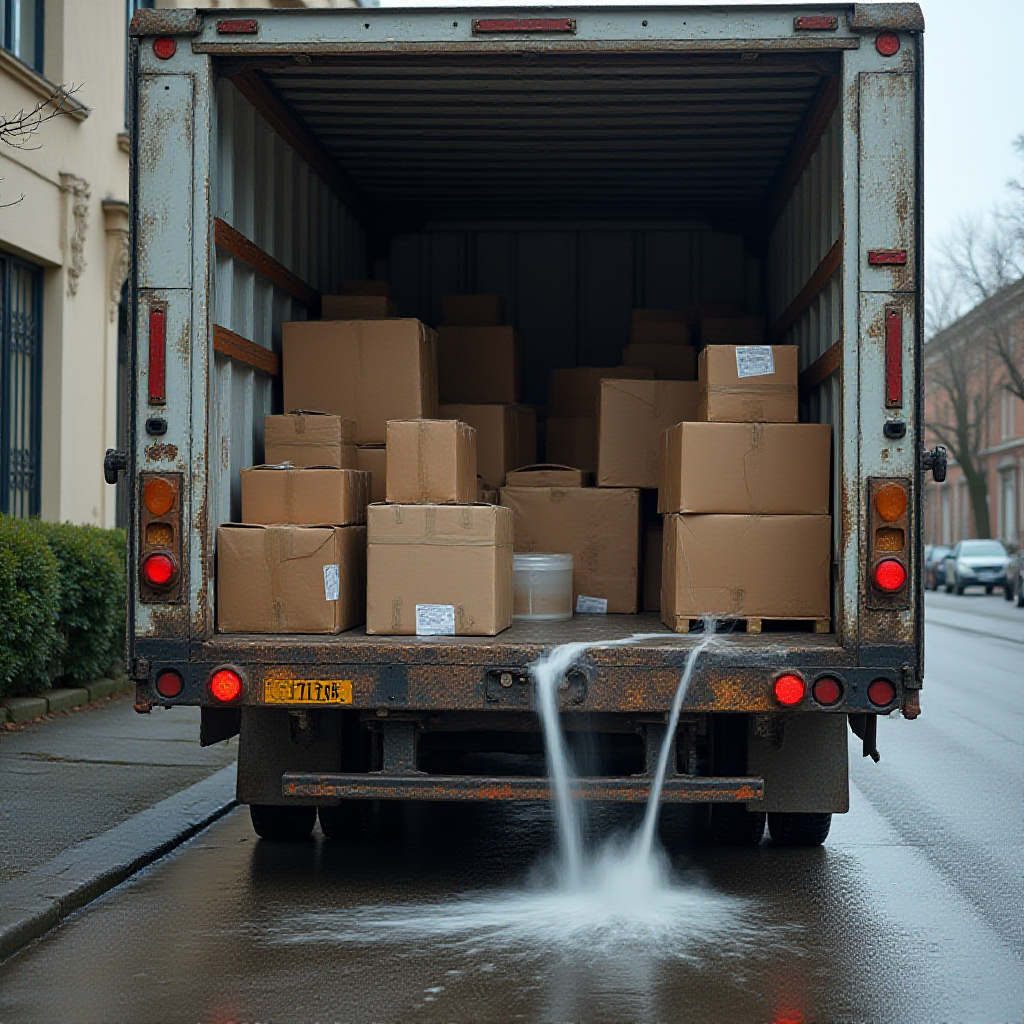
(169, 684)
(881, 693)
(890, 575)
(827, 691)
(789, 689)
(225, 686)
(158, 570)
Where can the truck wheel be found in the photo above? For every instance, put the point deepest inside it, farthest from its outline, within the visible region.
(734, 825)
(285, 823)
(958, 589)
(351, 820)
(1008, 592)
(988, 590)
(799, 829)
(1020, 595)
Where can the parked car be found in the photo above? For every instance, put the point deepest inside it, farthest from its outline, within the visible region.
(934, 554)
(1015, 579)
(976, 563)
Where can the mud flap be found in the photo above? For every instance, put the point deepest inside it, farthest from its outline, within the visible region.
(218, 724)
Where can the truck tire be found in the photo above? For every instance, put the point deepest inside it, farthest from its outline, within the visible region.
(988, 589)
(284, 823)
(799, 829)
(1020, 595)
(1008, 592)
(351, 820)
(734, 825)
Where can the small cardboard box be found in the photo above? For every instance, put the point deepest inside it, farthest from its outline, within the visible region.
(431, 462)
(653, 543)
(661, 316)
(290, 579)
(506, 437)
(660, 334)
(773, 567)
(669, 362)
(278, 494)
(309, 439)
(572, 442)
(732, 330)
(748, 384)
(439, 570)
(574, 390)
(366, 287)
(633, 417)
(370, 371)
(545, 474)
(373, 459)
(746, 468)
(599, 527)
(472, 310)
(356, 307)
(479, 365)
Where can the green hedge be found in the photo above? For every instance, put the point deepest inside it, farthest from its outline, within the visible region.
(62, 603)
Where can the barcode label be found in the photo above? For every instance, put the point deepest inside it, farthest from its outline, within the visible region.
(591, 605)
(332, 582)
(754, 361)
(435, 620)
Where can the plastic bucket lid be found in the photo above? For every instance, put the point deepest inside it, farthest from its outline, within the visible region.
(540, 560)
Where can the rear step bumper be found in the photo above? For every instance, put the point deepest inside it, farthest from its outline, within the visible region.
(678, 789)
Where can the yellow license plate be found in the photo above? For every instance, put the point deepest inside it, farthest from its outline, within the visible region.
(307, 691)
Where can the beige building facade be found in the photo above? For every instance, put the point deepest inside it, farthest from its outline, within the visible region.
(64, 251)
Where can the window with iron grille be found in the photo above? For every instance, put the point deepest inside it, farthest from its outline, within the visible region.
(21, 386)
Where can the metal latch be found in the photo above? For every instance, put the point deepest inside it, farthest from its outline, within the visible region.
(114, 462)
(936, 460)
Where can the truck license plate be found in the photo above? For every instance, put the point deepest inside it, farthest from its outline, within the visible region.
(307, 691)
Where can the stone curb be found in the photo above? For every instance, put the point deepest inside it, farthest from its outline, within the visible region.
(20, 710)
(32, 904)
(66, 699)
(23, 709)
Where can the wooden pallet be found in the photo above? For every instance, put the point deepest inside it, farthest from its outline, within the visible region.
(753, 624)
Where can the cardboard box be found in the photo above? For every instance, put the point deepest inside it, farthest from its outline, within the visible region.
(472, 310)
(574, 390)
(439, 569)
(653, 543)
(572, 442)
(660, 334)
(746, 468)
(732, 330)
(479, 365)
(366, 288)
(356, 307)
(370, 371)
(309, 439)
(431, 462)
(506, 437)
(488, 496)
(774, 567)
(633, 417)
(276, 494)
(546, 474)
(661, 316)
(599, 527)
(290, 579)
(669, 362)
(748, 384)
(373, 459)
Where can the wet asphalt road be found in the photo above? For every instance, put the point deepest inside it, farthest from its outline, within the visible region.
(911, 912)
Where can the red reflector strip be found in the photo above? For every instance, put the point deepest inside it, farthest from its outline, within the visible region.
(893, 357)
(887, 257)
(157, 355)
(816, 23)
(524, 25)
(237, 27)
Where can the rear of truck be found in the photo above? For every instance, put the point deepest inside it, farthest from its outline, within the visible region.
(579, 165)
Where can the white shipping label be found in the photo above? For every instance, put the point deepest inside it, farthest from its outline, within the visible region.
(332, 582)
(754, 361)
(435, 620)
(591, 605)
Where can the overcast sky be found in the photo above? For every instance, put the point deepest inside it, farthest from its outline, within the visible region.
(974, 100)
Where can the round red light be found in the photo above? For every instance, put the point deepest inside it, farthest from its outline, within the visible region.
(158, 570)
(890, 575)
(881, 692)
(165, 47)
(789, 689)
(887, 44)
(827, 691)
(169, 684)
(226, 686)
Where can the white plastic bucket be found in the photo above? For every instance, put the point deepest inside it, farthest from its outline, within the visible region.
(543, 586)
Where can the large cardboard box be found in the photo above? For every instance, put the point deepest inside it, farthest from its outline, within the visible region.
(506, 437)
(472, 310)
(290, 579)
(545, 474)
(366, 287)
(373, 459)
(669, 362)
(633, 417)
(748, 384)
(599, 527)
(277, 494)
(479, 365)
(572, 442)
(356, 307)
(431, 462)
(574, 390)
(309, 439)
(773, 567)
(370, 371)
(653, 544)
(732, 330)
(660, 334)
(746, 468)
(439, 569)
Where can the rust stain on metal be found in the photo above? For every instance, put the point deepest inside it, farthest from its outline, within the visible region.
(160, 451)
